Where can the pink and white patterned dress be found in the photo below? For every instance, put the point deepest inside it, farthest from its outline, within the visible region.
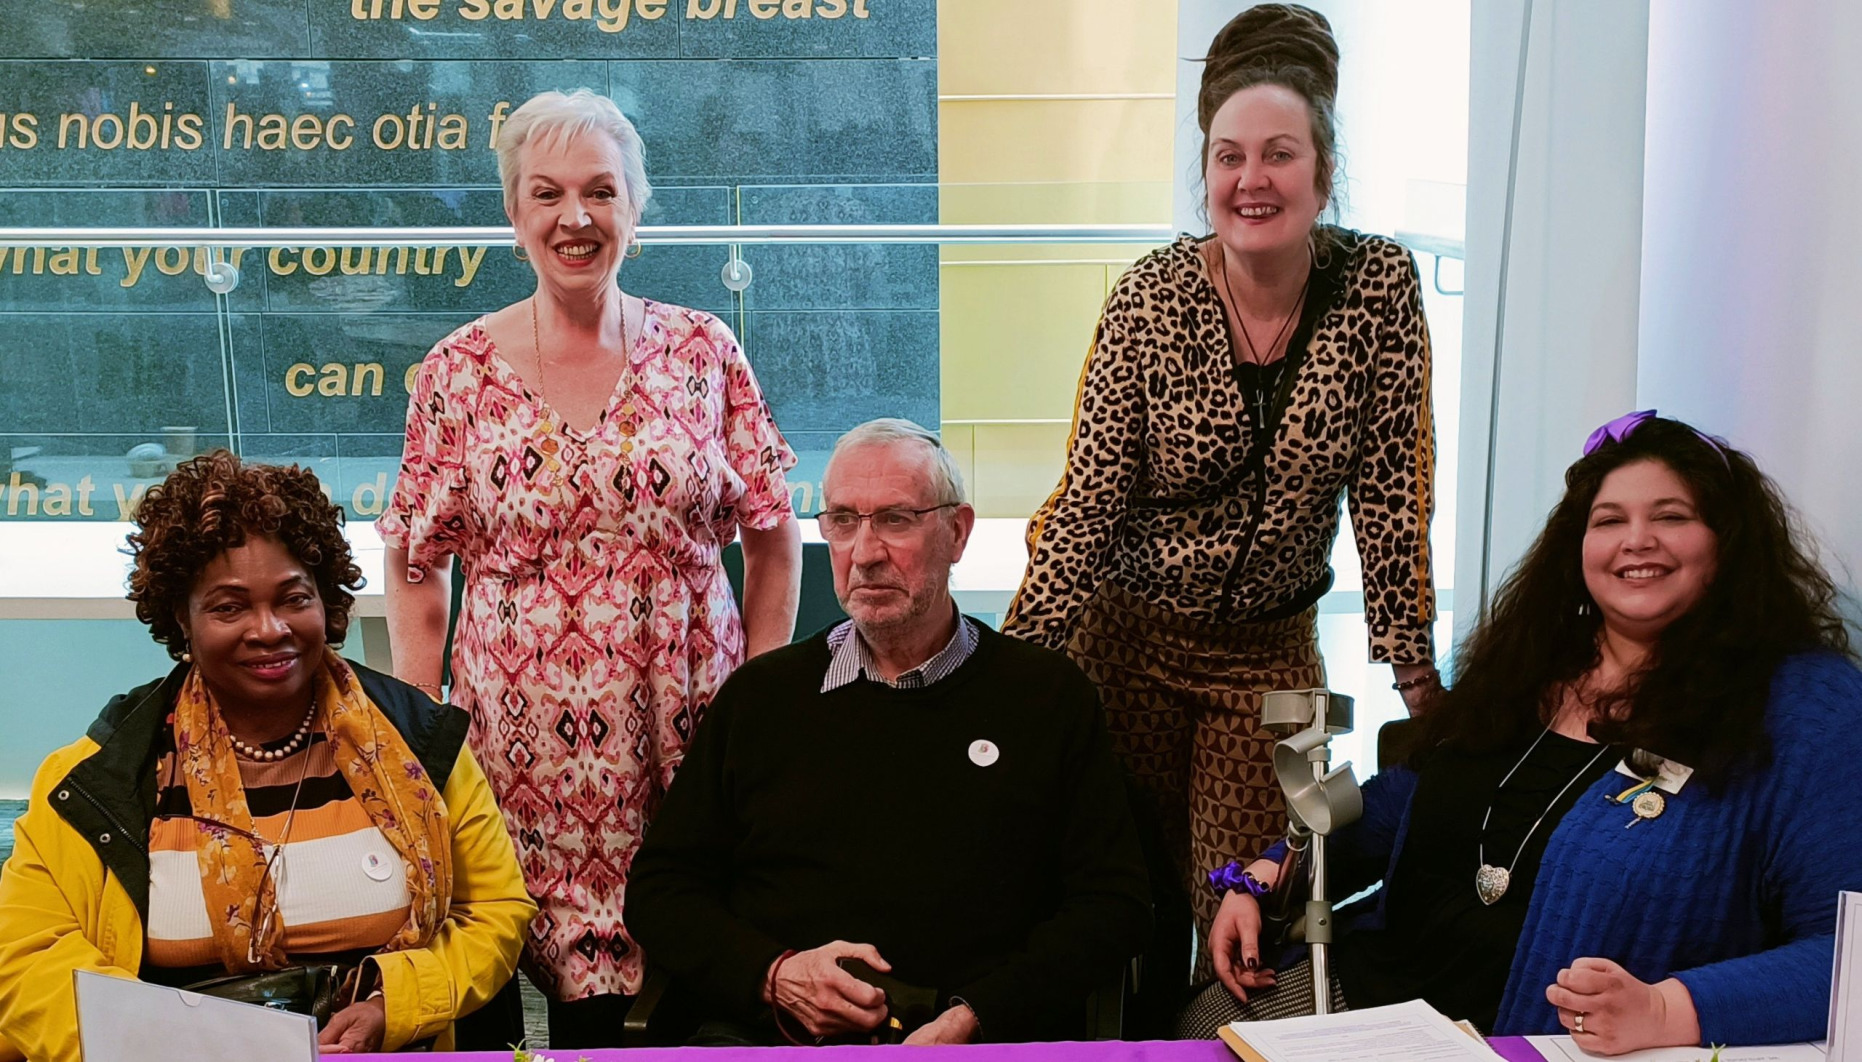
(597, 621)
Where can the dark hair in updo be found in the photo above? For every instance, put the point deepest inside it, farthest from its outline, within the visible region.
(1277, 44)
(214, 503)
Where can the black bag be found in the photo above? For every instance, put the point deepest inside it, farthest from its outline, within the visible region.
(311, 990)
(907, 1006)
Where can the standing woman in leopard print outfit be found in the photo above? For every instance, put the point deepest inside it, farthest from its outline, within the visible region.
(1238, 385)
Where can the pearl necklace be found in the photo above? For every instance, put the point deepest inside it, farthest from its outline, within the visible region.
(253, 752)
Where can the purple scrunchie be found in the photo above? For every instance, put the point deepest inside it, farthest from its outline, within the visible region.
(1226, 879)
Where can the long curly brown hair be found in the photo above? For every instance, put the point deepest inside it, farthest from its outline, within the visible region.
(212, 504)
(1701, 700)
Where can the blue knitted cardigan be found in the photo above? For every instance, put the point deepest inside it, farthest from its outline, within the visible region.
(1733, 892)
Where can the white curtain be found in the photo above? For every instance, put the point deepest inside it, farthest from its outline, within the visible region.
(1752, 262)
(1571, 261)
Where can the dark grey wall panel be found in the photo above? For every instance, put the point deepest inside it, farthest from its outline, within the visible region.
(495, 29)
(153, 29)
(746, 118)
(105, 123)
(336, 373)
(63, 279)
(828, 371)
(811, 120)
(246, 352)
(841, 276)
(772, 29)
(423, 124)
(111, 372)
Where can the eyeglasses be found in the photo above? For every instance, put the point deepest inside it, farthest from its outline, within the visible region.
(891, 525)
(1623, 427)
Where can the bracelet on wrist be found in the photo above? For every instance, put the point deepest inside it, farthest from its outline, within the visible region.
(1431, 677)
(775, 1008)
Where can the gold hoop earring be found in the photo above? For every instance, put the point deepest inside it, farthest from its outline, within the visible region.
(634, 250)
(517, 252)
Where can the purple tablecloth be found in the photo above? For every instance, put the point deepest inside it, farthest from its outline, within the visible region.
(1093, 1051)
(1512, 1048)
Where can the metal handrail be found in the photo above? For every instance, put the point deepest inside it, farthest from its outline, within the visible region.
(501, 235)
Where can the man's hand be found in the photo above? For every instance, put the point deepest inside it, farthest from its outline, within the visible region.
(955, 1026)
(355, 1030)
(826, 999)
(1609, 1011)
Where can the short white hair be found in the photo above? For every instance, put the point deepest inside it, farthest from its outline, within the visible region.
(558, 115)
(947, 480)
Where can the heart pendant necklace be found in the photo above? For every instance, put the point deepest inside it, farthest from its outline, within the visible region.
(1490, 882)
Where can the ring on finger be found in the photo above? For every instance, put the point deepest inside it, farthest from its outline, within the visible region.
(1577, 1026)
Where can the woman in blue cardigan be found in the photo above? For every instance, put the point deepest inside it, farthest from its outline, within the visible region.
(1631, 816)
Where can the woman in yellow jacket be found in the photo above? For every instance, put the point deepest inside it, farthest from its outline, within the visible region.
(267, 805)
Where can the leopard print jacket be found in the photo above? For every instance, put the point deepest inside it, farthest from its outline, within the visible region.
(1166, 492)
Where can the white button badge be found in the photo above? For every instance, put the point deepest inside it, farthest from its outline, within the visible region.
(376, 867)
(983, 752)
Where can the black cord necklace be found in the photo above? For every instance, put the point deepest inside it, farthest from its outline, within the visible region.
(1490, 882)
(1254, 358)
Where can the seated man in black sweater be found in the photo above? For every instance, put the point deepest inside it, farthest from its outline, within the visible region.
(909, 788)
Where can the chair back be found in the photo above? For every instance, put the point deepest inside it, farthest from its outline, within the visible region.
(1396, 740)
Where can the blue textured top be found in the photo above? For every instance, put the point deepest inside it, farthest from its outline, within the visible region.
(1733, 892)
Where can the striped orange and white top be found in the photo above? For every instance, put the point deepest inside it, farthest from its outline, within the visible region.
(341, 887)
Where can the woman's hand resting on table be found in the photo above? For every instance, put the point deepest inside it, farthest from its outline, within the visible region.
(1609, 1012)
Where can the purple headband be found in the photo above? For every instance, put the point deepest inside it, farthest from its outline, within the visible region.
(1624, 426)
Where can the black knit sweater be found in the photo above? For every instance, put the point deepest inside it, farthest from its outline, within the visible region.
(800, 818)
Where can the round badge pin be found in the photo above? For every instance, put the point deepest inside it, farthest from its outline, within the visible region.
(375, 865)
(1649, 805)
(984, 752)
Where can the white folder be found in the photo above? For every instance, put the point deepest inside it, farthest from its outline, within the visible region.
(120, 1020)
(1845, 992)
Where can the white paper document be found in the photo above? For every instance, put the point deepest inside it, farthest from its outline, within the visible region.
(1846, 981)
(120, 1020)
(1562, 1049)
(1403, 1032)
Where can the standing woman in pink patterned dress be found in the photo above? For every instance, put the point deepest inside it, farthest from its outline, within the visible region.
(587, 454)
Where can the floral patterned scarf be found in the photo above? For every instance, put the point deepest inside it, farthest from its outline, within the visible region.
(388, 781)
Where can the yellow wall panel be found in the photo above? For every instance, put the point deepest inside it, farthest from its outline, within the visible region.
(1055, 140)
(1011, 468)
(1055, 202)
(1070, 46)
(1014, 338)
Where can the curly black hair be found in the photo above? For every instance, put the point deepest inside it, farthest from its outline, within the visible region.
(1701, 699)
(209, 505)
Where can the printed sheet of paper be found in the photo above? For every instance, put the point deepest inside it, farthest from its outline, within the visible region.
(1846, 981)
(1404, 1032)
(119, 1020)
(1562, 1049)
